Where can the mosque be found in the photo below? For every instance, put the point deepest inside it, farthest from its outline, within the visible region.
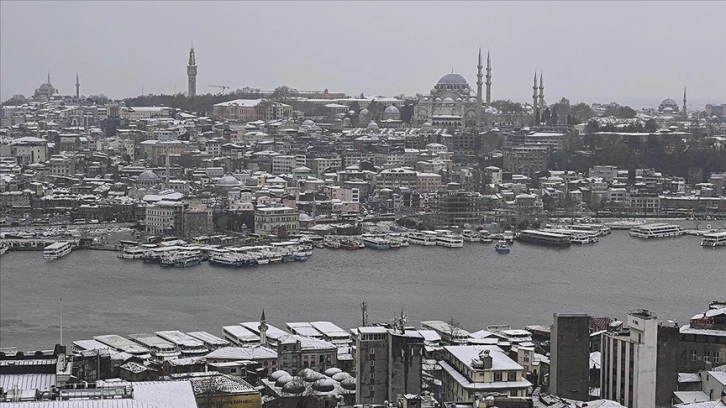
(452, 103)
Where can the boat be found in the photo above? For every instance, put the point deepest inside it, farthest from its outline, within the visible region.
(225, 259)
(508, 236)
(3, 249)
(624, 224)
(182, 259)
(470, 236)
(301, 258)
(501, 247)
(544, 238)
(426, 238)
(659, 230)
(57, 250)
(348, 244)
(714, 239)
(132, 253)
(448, 239)
(288, 258)
(275, 258)
(376, 241)
(332, 244)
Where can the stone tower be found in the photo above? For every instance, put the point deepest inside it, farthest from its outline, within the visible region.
(685, 113)
(192, 74)
(489, 79)
(78, 88)
(541, 91)
(263, 329)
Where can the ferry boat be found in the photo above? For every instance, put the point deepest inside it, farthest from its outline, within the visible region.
(132, 253)
(624, 224)
(508, 236)
(470, 236)
(501, 247)
(348, 244)
(714, 239)
(485, 237)
(427, 238)
(448, 239)
(225, 259)
(544, 238)
(182, 259)
(57, 250)
(376, 242)
(659, 230)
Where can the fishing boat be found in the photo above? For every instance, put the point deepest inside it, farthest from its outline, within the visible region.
(501, 247)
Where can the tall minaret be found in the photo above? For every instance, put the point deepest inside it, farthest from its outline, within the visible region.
(263, 329)
(489, 79)
(685, 113)
(49, 77)
(479, 83)
(535, 108)
(78, 88)
(192, 74)
(541, 91)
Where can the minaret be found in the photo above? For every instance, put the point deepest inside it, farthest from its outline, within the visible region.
(534, 99)
(78, 88)
(192, 74)
(263, 329)
(489, 79)
(48, 77)
(541, 91)
(684, 102)
(479, 83)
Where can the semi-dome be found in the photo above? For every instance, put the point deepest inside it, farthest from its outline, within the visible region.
(452, 79)
(324, 385)
(282, 380)
(333, 370)
(448, 99)
(148, 175)
(295, 386)
(391, 109)
(348, 384)
(341, 376)
(277, 374)
(307, 123)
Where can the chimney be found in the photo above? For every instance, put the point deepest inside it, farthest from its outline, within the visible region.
(486, 359)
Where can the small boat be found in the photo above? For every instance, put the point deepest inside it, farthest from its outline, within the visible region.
(347, 244)
(288, 258)
(332, 244)
(501, 247)
(3, 249)
(301, 258)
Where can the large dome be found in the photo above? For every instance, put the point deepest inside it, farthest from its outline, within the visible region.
(391, 109)
(148, 175)
(452, 79)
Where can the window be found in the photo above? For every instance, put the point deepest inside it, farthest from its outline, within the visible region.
(694, 355)
(512, 376)
(497, 376)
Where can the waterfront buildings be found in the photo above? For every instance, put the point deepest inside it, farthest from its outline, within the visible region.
(276, 220)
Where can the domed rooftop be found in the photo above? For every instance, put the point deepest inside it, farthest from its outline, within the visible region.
(364, 111)
(669, 102)
(332, 371)
(448, 99)
(391, 109)
(310, 375)
(277, 374)
(307, 123)
(452, 79)
(324, 385)
(228, 181)
(284, 379)
(426, 124)
(372, 125)
(348, 383)
(295, 386)
(341, 376)
(148, 175)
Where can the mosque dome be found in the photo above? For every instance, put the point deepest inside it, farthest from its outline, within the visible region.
(372, 125)
(333, 370)
(341, 376)
(296, 386)
(280, 382)
(668, 103)
(277, 374)
(473, 99)
(391, 109)
(147, 177)
(448, 99)
(452, 79)
(348, 384)
(324, 385)
(426, 125)
(364, 111)
(307, 123)
(310, 375)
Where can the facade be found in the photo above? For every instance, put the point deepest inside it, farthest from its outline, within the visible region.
(639, 362)
(456, 208)
(246, 110)
(276, 220)
(296, 353)
(472, 372)
(703, 341)
(165, 218)
(570, 356)
(526, 160)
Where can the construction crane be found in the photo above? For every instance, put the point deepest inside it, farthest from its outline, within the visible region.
(223, 87)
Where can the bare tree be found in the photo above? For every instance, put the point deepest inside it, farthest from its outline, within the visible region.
(454, 328)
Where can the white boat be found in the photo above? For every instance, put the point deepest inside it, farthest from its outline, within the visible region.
(132, 253)
(182, 259)
(448, 239)
(659, 230)
(57, 250)
(3, 249)
(501, 247)
(427, 238)
(470, 236)
(714, 239)
(624, 224)
(508, 236)
(376, 241)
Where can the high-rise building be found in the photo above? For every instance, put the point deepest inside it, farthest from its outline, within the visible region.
(639, 362)
(192, 74)
(570, 356)
(389, 363)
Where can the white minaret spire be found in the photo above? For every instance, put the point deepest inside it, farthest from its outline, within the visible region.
(78, 88)
(489, 79)
(192, 74)
(684, 101)
(534, 98)
(541, 90)
(479, 84)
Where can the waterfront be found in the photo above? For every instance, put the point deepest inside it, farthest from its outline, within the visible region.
(103, 294)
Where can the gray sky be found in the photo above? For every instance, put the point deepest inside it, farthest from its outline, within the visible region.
(634, 53)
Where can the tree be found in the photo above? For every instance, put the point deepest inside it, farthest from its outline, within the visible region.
(625, 112)
(582, 112)
(454, 328)
(16, 100)
(651, 125)
(283, 93)
(563, 110)
(507, 106)
(100, 99)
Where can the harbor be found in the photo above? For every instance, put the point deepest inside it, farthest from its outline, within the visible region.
(102, 293)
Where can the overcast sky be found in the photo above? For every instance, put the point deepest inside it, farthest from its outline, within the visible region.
(634, 53)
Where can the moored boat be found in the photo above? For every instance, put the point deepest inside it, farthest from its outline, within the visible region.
(501, 247)
(658, 230)
(57, 250)
(376, 241)
(714, 239)
(544, 238)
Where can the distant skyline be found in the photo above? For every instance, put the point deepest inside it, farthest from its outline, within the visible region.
(632, 53)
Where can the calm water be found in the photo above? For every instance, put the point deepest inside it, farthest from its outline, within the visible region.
(103, 294)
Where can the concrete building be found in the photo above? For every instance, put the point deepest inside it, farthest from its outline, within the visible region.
(570, 356)
(639, 362)
(276, 220)
(526, 160)
(246, 110)
(165, 218)
(703, 341)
